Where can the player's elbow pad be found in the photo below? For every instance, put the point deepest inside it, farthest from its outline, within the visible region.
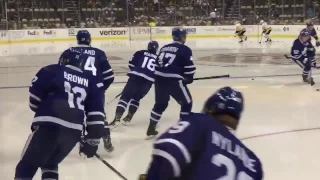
(95, 127)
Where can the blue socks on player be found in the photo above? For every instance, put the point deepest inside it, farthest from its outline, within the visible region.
(133, 107)
(122, 106)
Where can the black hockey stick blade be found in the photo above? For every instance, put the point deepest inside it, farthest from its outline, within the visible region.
(288, 57)
(212, 77)
(111, 167)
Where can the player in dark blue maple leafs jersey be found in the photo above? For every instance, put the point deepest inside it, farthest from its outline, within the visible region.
(141, 78)
(175, 69)
(61, 96)
(96, 63)
(311, 51)
(302, 57)
(96, 60)
(203, 146)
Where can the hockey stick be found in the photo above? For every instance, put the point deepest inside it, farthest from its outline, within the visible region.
(115, 98)
(261, 38)
(110, 166)
(288, 57)
(212, 77)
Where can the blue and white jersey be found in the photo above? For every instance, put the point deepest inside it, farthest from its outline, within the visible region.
(201, 148)
(143, 64)
(299, 50)
(313, 33)
(64, 95)
(97, 63)
(175, 61)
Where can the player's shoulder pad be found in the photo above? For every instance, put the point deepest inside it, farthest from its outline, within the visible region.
(53, 68)
(197, 119)
(50, 70)
(140, 52)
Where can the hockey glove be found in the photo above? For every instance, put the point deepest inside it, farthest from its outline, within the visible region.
(317, 43)
(188, 80)
(89, 147)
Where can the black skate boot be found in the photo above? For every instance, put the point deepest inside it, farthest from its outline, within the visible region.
(241, 41)
(246, 37)
(308, 80)
(115, 122)
(126, 121)
(107, 144)
(151, 132)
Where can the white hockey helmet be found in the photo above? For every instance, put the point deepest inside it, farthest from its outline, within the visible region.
(261, 21)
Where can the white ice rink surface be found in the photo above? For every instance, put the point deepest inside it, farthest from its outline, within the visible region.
(280, 119)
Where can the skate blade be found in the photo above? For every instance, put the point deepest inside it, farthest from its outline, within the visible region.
(151, 137)
(125, 123)
(114, 126)
(109, 150)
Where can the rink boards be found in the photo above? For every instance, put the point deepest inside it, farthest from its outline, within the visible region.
(144, 33)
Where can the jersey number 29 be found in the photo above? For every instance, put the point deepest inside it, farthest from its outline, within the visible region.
(221, 160)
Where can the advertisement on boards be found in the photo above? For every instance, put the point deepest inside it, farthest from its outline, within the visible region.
(33, 33)
(113, 32)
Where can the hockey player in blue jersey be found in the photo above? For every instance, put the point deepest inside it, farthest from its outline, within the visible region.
(203, 146)
(311, 51)
(301, 56)
(141, 78)
(175, 69)
(96, 63)
(61, 96)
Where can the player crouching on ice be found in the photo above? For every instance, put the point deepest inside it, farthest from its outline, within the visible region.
(302, 57)
(266, 30)
(203, 146)
(240, 32)
(61, 96)
(141, 78)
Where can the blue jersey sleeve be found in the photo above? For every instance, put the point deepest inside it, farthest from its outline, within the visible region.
(40, 85)
(94, 109)
(107, 72)
(174, 149)
(189, 68)
(133, 61)
(314, 34)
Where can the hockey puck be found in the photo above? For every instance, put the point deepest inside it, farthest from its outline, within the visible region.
(318, 89)
(252, 79)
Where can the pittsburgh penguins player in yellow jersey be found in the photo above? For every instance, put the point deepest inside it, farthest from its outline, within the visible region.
(266, 30)
(240, 32)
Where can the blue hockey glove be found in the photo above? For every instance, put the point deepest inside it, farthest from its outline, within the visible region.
(89, 147)
(317, 43)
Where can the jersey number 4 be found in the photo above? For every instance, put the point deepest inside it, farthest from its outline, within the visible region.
(221, 160)
(75, 91)
(89, 66)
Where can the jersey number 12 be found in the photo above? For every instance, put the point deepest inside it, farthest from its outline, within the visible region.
(72, 92)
